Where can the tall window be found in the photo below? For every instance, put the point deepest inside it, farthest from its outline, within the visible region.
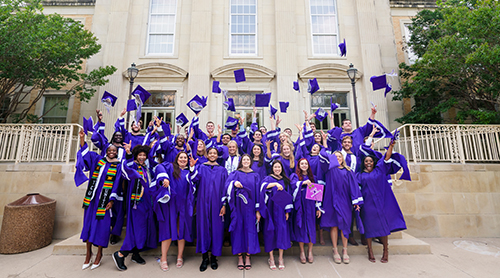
(244, 103)
(324, 27)
(412, 57)
(55, 109)
(243, 27)
(161, 27)
(323, 100)
(161, 105)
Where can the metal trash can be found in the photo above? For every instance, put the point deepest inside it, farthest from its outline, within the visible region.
(28, 224)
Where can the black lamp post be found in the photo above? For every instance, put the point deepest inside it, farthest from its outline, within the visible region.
(132, 73)
(351, 72)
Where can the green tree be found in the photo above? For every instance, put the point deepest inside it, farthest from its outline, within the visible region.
(458, 45)
(41, 52)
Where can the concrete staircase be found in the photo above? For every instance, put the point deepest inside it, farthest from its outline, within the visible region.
(399, 243)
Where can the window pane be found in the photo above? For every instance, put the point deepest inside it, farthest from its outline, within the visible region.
(325, 44)
(162, 27)
(58, 112)
(324, 26)
(243, 27)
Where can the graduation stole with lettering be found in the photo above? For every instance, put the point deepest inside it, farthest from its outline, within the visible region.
(138, 190)
(106, 189)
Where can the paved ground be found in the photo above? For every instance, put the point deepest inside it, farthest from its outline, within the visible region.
(451, 257)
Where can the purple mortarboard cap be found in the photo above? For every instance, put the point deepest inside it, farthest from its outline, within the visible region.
(282, 198)
(262, 100)
(388, 88)
(108, 99)
(378, 82)
(296, 86)
(333, 105)
(166, 128)
(196, 104)
(313, 86)
(343, 49)
(231, 123)
(284, 106)
(321, 114)
(273, 111)
(141, 93)
(131, 105)
(215, 87)
(229, 105)
(333, 161)
(239, 75)
(181, 120)
(88, 125)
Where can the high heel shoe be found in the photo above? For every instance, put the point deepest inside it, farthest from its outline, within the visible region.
(345, 257)
(85, 266)
(281, 264)
(272, 266)
(94, 266)
(302, 258)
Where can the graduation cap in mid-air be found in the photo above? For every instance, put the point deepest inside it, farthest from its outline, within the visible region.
(343, 49)
(108, 100)
(88, 125)
(231, 123)
(284, 106)
(380, 82)
(239, 75)
(321, 114)
(313, 86)
(215, 87)
(273, 111)
(181, 120)
(141, 96)
(262, 100)
(229, 105)
(197, 103)
(131, 105)
(296, 86)
(333, 105)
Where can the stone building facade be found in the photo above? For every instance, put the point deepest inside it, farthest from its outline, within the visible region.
(181, 46)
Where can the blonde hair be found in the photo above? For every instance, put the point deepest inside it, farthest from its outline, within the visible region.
(234, 142)
(204, 147)
(291, 158)
(288, 140)
(343, 164)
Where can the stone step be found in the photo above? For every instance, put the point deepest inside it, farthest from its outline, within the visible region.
(399, 243)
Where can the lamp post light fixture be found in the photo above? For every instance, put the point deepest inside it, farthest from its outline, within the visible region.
(132, 73)
(351, 72)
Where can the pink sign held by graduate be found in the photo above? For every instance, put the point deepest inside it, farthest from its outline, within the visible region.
(315, 192)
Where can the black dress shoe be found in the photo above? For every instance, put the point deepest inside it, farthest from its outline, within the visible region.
(204, 264)
(214, 265)
(114, 239)
(119, 261)
(136, 258)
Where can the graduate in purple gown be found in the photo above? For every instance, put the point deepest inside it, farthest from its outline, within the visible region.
(306, 211)
(104, 181)
(285, 156)
(231, 156)
(209, 179)
(174, 206)
(276, 204)
(381, 213)
(340, 196)
(243, 190)
(259, 164)
(141, 231)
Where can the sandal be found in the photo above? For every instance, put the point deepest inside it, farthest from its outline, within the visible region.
(385, 256)
(310, 258)
(240, 266)
(164, 265)
(302, 258)
(248, 262)
(336, 256)
(180, 263)
(345, 257)
(371, 258)
(271, 266)
(281, 264)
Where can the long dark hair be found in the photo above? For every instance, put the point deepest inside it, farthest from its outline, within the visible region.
(261, 155)
(177, 168)
(113, 137)
(363, 163)
(283, 173)
(298, 171)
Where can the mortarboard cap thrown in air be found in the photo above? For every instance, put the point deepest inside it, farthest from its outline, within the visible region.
(262, 100)
(273, 111)
(231, 123)
(296, 86)
(131, 105)
(215, 87)
(88, 125)
(239, 75)
(343, 49)
(380, 82)
(313, 86)
(229, 105)
(181, 120)
(108, 99)
(321, 114)
(333, 105)
(284, 106)
(197, 103)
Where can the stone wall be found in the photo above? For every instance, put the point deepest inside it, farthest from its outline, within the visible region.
(451, 200)
(443, 200)
(53, 180)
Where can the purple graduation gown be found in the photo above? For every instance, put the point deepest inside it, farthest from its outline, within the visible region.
(95, 230)
(341, 193)
(141, 228)
(277, 230)
(243, 203)
(381, 214)
(209, 181)
(304, 226)
(174, 205)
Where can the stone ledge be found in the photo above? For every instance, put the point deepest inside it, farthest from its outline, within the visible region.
(69, 2)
